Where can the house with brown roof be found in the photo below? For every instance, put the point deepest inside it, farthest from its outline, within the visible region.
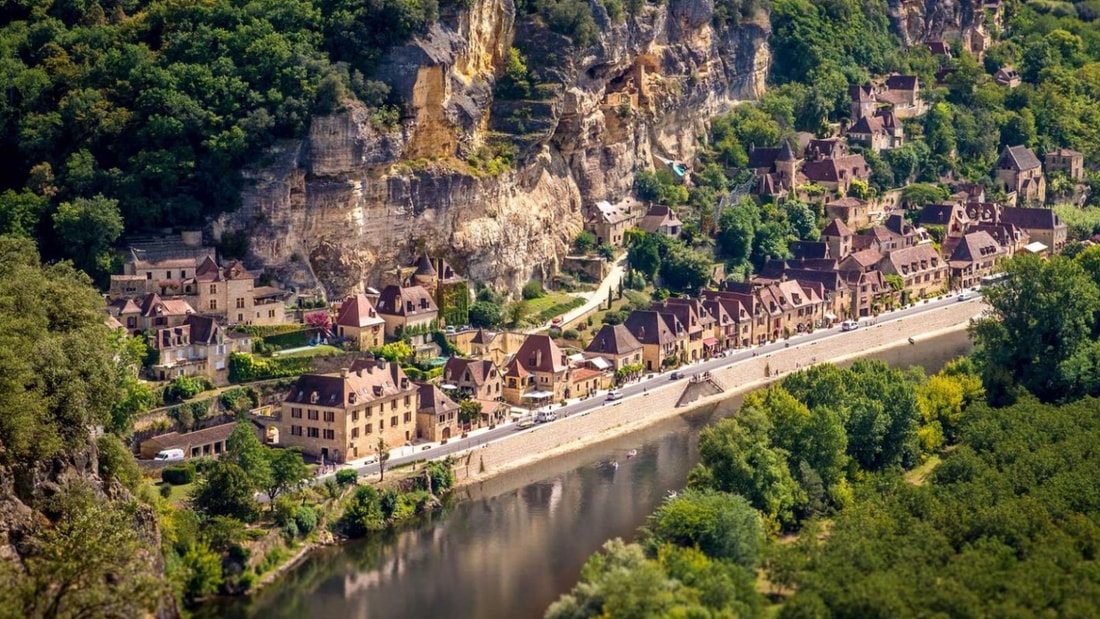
(160, 265)
(358, 321)
(938, 48)
(838, 237)
(951, 218)
(609, 222)
(879, 131)
(923, 272)
(1008, 77)
(697, 322)
(206, 443)
(1041, 224)
(869, 293)
(196, 347)
(732, 321)
(1019, 172)
(775, 169)
(537, 372)
(976, 256)
(480, 381)
(617, 345)
(1069, 162)
(450, 291)
(791, 307)
(342, 415)
(862, 261)
(406, 307)
(436, 415)
(903, 93)
(149, 313)
(662, 336)
(836, 175)
(661, 219)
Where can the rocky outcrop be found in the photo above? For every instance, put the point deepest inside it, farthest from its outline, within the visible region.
(917, 21)
(350, 201)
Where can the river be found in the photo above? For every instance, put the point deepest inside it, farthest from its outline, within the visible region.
(509, 546)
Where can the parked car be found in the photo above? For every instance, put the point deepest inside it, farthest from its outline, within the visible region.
(450, 330)
(963, 296)
(849, 325)
(169, 455)
(545, 416)
(615, 394)
(677, 375)
(557, 322)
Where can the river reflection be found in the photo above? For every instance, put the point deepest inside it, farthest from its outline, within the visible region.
(510, 546)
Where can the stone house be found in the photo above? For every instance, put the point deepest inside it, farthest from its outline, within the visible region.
(1019, 172)
(1041, 224)
(661, 219)
(839, 238)
(1071, 162)
(450, 290)
(952, 218)
(160, 265)
(206, 443)
(976, 256)
(879, 131)
(697, 322)
(406, 307)
(358, 321)
(538, 371)
(609, 222)
(902, 92)
(869, 293)
(775, 169)
(196, 347)
(269, 304)
(732, 322)
(791, 308)
(836, 174)
(341, 416)
(149, 313)
(617, 345)
(662, 336)
(480, 381)
(923, 272)
(436, 416)
(1007, 76)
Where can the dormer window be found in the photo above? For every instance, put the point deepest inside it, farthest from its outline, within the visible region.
(313, 397)
(351, 398)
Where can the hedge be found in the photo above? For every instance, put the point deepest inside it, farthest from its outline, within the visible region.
(243, 367)
(561, 308)
(267, 330)
(290, 339)
(178, 474)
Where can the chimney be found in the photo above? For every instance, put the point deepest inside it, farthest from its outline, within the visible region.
(343, 372)
(381, 363)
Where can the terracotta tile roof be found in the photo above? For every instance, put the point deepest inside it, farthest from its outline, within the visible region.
(649, 327)
(474, 371)
(432, 400)
(866, 257)
(831, 170)
(539, 353)
(153, 305)
(366, 381)
(482, 337)
(1032, 218)
(405, 301)
(613, 340)
(582, 374)
(976, 246)
(836, 228)
(214, 434)
(357, 311)
(1063, 152)
(919, 258)
(657, 217)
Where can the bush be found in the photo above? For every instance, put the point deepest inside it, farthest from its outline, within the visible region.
(243, 367)
(584, 242)
(306, 519)
(533, 289)
(347, 477)
(570, 334)
(560, 308)
(486, 314)
(116, 461)
(178, 474)
(284, 510)
(186, 387)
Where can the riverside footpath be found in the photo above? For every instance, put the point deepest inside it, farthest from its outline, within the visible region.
(657, 399)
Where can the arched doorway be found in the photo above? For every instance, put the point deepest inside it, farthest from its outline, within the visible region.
(446, 433)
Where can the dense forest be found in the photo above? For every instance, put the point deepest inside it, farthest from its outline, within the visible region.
(880, 492)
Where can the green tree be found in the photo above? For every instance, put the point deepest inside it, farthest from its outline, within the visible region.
(226, 490)
(364, 512)
(117, 462)
(469, 412)
(721, 525)
(486, 314)
(383, 458)
(288, 471)
(514, 82)
(20, 212)
(244, 449)
(645, 254)
(585, 242)
(684, 270)
(89, 227)
(736, 231)
(802, 219)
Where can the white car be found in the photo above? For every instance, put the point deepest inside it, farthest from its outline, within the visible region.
(615, 394)
(849, 325)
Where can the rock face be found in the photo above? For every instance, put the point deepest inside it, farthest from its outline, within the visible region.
(350, 201)
(917, 21)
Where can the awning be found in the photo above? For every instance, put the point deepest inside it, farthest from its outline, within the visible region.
(710, 341)
(538, 395)
(448, 387)
(830, 316)
(600, 363)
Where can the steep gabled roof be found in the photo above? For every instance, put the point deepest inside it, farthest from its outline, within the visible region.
(357, 311)
(613, 340)
(364, 382)
(902, 82)
(1018, 158)
(405, 301)
(457, 368)
(539, 353)
(432, 400)
(1031, 218)
(482, 337)
(829, 170)
(976, 246)
(836, 228)
(650, 327)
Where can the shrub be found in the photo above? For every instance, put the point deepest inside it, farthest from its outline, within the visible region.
(306, 519)
(347, 477)
(178, 474)
(116, 461)
(571, 334)
(244, 367)
(284, 510)
(165, 491)
(533, 289)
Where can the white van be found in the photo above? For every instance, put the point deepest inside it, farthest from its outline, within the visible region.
(849, 325)
(169, 455)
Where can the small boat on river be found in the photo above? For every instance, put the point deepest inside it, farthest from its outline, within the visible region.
(631, 453)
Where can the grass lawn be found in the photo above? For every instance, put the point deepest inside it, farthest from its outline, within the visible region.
(550, 299)
(918, 475)
(179, 493)
(323, 349)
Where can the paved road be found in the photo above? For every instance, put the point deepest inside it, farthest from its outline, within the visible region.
(653, 383)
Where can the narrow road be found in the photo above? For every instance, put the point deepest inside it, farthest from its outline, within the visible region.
(653, 383)
(594, 299)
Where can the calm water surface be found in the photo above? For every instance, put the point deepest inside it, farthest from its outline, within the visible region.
(510, 546)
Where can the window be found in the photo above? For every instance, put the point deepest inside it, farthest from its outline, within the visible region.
(369, 428)
(131, 322)
(296, 413)
(381, 424)
(311, 432)
(213, 289)
(406, 400)
(330, 416)
(270, 313)
(312, 414)
(295, 430)
(408, 417)
(442, 419)
(213, 304)
(240, 303)
(183, 274)
(148, 275)
(393, 404)
(368, 411)
(330, 435)
(393, 421)
(167, 275)
(240, 317)
(354, 416)
(355, 433)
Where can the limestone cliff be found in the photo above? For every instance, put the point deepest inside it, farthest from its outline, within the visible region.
(338, 208)
(917, 21)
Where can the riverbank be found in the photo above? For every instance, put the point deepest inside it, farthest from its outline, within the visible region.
(527, 448)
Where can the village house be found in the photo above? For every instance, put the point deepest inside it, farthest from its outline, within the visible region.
(206, 443)
(951, 218)
(1069, 162)
(923, 272)
(617, 345)
(342, 415)
(480, 381)
(791, 308)
(697, 322)
(269, 305)
(775, 169)
(224, 292)
(609, 222)
(436, 416)
(836, 174)
(662, 336)
(196, 347)
(732, 322)
(149, 313)
(450, 291)
(160, 265)
(1021, 176)
(406, 307)
(537, 372)
(839, 238)
(938, 48)
(1042, 225)
(358, 321)
(661, 219)
(1008, 77)
(869, 293)
(879, 131)
(903, 93)
(976, 256)
(861, 261)
(853, 212)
